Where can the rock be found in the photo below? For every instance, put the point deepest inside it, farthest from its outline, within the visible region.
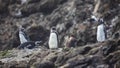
(50, 57)
(69, 17)
(86, 56)
(112, 58)
(46, 65)
(58, 15)
(110, 47)
(102, 66)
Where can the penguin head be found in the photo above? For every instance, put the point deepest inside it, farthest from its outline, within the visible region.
(53, 29)
(21, 28)
(100, 21)
(93, 19)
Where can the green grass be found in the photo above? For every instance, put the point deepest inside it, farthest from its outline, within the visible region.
(4, 54)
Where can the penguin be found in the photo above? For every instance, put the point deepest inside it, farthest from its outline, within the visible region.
(53, 39)
(22, 35)
(71, 41)
(25, 41)
(23, 2)
(101, 31)
(29, 44)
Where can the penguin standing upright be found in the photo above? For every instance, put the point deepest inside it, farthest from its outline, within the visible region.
(22, 35)
(23, 1)
(53, 39)
(101, 32)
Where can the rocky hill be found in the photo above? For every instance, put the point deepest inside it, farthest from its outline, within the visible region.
(69, 17)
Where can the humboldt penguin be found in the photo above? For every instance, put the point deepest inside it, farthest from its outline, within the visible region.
(22, 35)
(23, 1)
(53, 39)
(25, 41)
(101, 31)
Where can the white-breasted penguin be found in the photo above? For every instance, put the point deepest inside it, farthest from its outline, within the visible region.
(22, 35)
(25, 41)
(53, 39)
(101, 31)
(23, 1)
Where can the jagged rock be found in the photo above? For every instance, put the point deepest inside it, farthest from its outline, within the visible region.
(46, 6)
(46, 65)
(112, 58)
(59, 15)
(69, 17)
(109, 47)
(38, 33)
(51, 57)
(14, 64)
(72, 58)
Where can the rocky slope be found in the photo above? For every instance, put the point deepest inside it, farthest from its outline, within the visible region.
(99, 55)
(69, 17)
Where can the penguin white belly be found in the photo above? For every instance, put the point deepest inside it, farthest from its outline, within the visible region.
(22, 38)
(53, 41)
(23, 1)
(100, 33)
